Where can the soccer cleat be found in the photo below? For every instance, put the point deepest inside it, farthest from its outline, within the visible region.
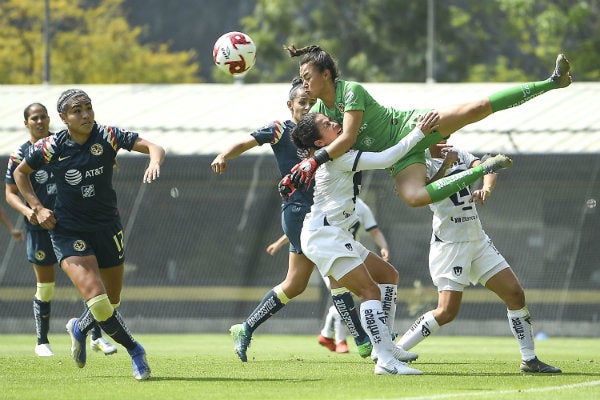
(536, 366)
(141, 369)
(399, 354)
(327, 342)
(77, 343)
(402, 355)
(341, 347)
(241, 340)
(561, 75)
(101, 344)
(44, 350)
(395, 367)
(493, 164)
(365, 348)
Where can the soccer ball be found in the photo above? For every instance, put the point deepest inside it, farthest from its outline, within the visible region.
(234, 53)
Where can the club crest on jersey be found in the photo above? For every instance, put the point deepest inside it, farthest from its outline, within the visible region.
(457, 270)
(96, 149)
(348, 246)
(79, 245)
(341, 107)
(40, 255)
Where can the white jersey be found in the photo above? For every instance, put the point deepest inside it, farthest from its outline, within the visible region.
(337, 183)
(366, 219)
(455, 219)
(326, 239)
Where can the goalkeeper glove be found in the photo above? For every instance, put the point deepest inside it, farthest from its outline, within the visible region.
(286, 187)
(304, 172)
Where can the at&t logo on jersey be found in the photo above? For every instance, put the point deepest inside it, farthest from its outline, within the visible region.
(73, 177)
(41, 176)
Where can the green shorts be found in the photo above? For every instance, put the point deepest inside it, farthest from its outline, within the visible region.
(405, 122)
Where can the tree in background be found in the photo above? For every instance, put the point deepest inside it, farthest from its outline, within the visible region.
(91, 42)
(386, 40)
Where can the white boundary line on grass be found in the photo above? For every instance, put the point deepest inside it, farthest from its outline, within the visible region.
(497, 392)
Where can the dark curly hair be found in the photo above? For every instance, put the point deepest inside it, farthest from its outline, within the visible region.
(304, 135)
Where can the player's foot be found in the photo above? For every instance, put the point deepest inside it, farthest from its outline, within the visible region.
(44, 350)
(561, 75)
(395, 367)
(327, 342)
(341, 347)
(77, 343)
(365, 348)
(141, 369)
(101, 344)
(495, 163)
(241, 340)
(536, 366)
(403, 355)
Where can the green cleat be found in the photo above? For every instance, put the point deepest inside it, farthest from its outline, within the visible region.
(241, 340)
(561, 75)
(364, 349)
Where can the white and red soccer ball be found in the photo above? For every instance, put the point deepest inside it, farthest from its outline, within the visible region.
(234, 53)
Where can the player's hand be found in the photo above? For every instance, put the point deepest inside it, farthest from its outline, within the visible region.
(429, 122)
(46, 218)
(219, 165)
(304, 172)
(481, 196)
(18, 234)
(286, 187)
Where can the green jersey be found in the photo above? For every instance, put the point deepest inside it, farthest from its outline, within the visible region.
(381, 127)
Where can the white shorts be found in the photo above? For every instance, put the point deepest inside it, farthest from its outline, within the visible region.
(333, 250)
(453, 266)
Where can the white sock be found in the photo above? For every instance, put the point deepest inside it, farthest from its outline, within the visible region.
(520, 325)
(339, 327)
(389, 294)
(424, 326)
(373, 322)
(329, 326)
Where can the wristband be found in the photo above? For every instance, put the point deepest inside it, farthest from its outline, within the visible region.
(321, 156)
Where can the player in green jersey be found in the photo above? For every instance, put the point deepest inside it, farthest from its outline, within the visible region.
(369, 126)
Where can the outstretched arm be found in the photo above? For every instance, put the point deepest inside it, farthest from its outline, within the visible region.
(157, 156)
(219, 164)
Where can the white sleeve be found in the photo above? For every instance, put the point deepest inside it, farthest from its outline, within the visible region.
(387, 157)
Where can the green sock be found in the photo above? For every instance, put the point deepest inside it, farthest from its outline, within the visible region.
(517, 95)
(447, 186)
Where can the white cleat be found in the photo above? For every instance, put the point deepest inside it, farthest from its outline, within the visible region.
(561, 75)
(44, 350)
(101, 344)
(395, 367)
(403, 355)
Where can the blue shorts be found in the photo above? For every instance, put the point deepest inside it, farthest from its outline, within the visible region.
(106, 245)
(39, 248)
(292, 217)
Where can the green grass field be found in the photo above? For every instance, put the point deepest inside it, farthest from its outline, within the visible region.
(296, 367)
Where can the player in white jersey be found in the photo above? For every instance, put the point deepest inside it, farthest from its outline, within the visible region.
(333, 335)
(326, 237)
(461, 253)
